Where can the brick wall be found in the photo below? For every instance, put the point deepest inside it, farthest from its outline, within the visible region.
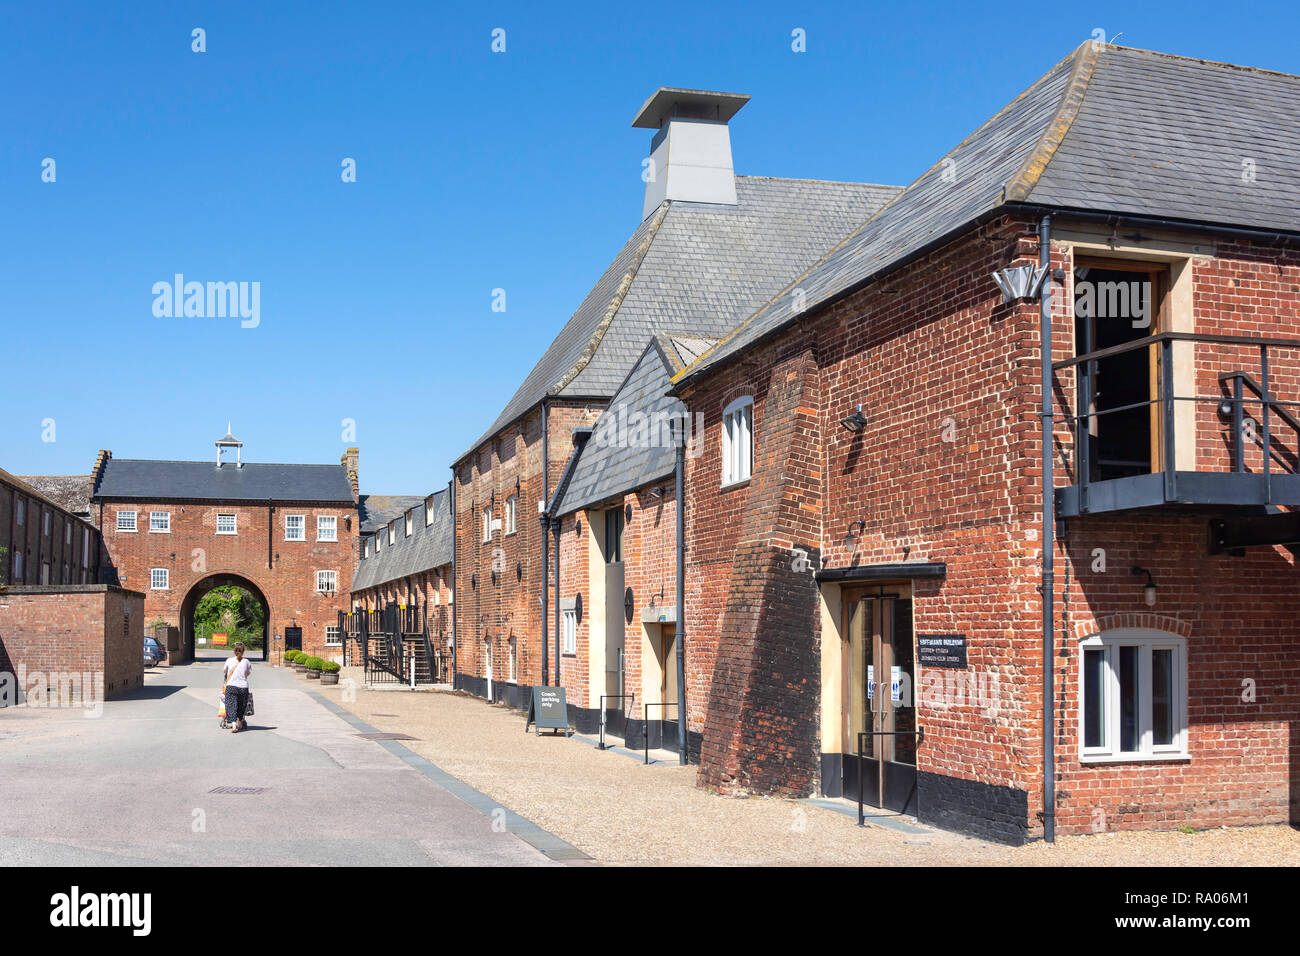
(74, 629)
(70, 548)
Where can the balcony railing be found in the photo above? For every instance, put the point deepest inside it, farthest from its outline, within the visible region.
(1237, 447)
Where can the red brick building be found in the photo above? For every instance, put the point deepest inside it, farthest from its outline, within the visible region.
(875, 564)
(711, 247)
(287, 533)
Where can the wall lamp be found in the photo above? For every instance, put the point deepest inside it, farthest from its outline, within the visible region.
(856, 421)
(1148, 589)
(1020, 282)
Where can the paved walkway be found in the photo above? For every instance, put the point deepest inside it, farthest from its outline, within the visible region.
(143, 784)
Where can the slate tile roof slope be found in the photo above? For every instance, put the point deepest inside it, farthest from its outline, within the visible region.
(69, 492)
(631, 444)
(203, 480)
(698, 268)
(377, 510)
(1107, 129)
(428, 547)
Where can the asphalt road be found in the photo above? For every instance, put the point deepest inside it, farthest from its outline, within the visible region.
(142, 782)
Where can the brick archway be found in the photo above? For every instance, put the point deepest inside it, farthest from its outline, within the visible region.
(1133, 620)
(220, 579)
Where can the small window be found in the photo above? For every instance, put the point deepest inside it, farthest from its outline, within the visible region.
(333, 635)
(1133, 694)
(487, 524)
(18, 567)
(514, 659)
(295, 528)
(408, 523)
(85, 547)
(227, 524)
(326, 582)
(160, 522)
(67, 533)
(159, 579)
(570, 645)
(392, 532)
(738, 441)
(45, 522)
(428, 511)
(366, 549)
(327, 528)
(22, 511)
(379, 541)
(613, 535)
(512, 505)
(125, 521)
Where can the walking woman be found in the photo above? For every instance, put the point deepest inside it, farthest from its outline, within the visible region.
(236, 688)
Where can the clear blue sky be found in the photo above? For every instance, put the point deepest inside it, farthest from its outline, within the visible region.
(475, 171)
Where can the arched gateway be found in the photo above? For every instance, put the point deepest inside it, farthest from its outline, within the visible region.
(211, 583)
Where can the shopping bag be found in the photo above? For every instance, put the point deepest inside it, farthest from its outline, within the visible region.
(221, 709)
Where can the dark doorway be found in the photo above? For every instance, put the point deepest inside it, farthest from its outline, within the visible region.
(1116, 303)
(293, 638)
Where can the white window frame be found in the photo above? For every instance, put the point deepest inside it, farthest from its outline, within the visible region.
(163, 519)
(1146, 640)
(160, 574)
(301, 527)
(379, 540)
(392, 532)
(512, 509)
(570, 645)
(487, 525)
(738, 441)
(134, 526)
(409, 522)
(336, 633)
(330, 522)
(366, 549)
(514, 661)
(234, 522)
(428, 511)
(332, 580)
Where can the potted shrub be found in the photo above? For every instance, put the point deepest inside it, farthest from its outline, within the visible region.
(289, 657)
(329, 672)
(313, 666)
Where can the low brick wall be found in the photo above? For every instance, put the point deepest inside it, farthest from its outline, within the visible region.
(50, 632)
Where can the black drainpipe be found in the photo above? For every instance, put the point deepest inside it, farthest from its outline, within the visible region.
(455, 605)
(1049, 525)
(546, 524)
(679, 479)
(556, 525)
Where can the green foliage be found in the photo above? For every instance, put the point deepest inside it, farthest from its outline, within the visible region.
(292, 656)
(233, 611)
(314, 663)
(330, 667)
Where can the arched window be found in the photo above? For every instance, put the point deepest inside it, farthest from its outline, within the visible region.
(738, 441)
(512, 506)
(1132, 696)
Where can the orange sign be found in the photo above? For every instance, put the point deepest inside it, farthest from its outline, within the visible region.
(219, 639)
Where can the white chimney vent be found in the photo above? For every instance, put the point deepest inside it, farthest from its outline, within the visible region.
(690, 155)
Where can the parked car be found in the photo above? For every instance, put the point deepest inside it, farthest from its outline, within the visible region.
(156, 646)
(150, 656)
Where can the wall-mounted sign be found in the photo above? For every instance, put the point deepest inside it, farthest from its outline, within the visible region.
(941, 650)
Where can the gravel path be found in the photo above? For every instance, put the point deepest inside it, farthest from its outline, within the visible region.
(621, 812)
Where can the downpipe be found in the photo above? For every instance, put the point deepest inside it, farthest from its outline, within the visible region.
(1048, 586)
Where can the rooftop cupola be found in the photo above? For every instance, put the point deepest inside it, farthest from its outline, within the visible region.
(230, 441)
(690, 154)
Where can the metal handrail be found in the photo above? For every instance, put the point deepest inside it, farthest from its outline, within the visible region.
(645, 724)
(919, 734)
(604, 697)
(1161, 337)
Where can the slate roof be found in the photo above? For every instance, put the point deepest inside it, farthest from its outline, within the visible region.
(631, 444)
(203, 480)
(1108, 129)
(428, 547)
(377, 510)
(698, 268)
(69, 492)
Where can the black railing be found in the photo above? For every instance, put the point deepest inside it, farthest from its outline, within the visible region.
(1232, 404)
(603, 698)
(919, 734)
(393, 644)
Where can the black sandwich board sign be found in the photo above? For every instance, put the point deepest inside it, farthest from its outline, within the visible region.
(941, 650)
(548, 709)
